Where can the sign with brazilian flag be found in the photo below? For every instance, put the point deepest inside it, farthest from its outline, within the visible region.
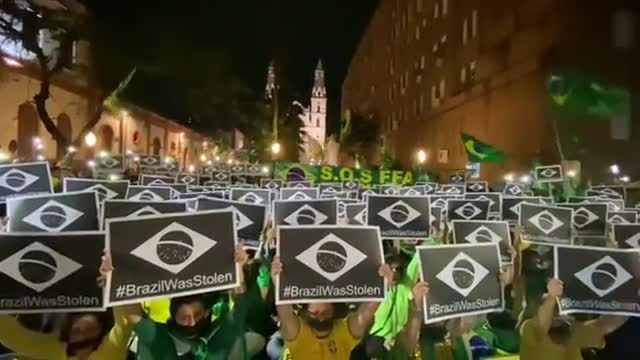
(478, 152)
(291, 171)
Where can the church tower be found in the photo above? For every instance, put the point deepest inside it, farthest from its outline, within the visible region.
(317, 120)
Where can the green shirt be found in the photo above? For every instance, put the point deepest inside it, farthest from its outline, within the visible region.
(156, 341)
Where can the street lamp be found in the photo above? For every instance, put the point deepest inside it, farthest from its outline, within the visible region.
(275, 148)
(90, 139)
(421, 156)
(625, 179)
(508, 177)
(571, 173)
(615, 169)
(525, 179)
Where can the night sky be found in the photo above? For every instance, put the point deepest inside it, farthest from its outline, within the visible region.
(172, 43)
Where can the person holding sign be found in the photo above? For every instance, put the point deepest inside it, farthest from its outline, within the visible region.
(551, 336)
(84, 336)
(191, 330)
(315, 332)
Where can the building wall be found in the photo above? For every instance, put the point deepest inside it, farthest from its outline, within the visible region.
(480, 67)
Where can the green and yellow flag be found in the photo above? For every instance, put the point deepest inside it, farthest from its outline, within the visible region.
(581, 95)
(477, 151)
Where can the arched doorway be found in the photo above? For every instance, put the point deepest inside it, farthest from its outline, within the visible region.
(105, 138)
(28, 122)
(156, 146)
(64, 125)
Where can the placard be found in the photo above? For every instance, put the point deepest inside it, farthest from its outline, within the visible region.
(627, 236)
(329, 264)
(149, 193)
(399, 217)
(188, 179)
(50, 272)
(72, 211)
(429, 187)
(494, 199)
(250, 218)
(171, 255)
(130, 209)
(149, 161)
(106, 189)
(598, 280)
(25, 178)
(299, 184)
(388, 189)
(351, 185)
(305, 212)
(547, 174)
(614, 191)
(464, 209)
(451, 189)
(484, 231)
(252, 196)
(177, 189)
(342, 207)
(511, 206)
(299, 193)
(442, 200)
(477, 187)
(356, 214)
(515, 189)
(588, 219)
(271, 184)
(464, 280)
(330, 189)
(156, 180)
(110, 163)
(222, 176)
(413, 190)
(546, 225)
(217, 185)
(622, 217)
(437, 216)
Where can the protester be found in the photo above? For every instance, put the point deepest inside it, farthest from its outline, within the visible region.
(551, 336)
(317, 332)
(84, 336)
(191, 332)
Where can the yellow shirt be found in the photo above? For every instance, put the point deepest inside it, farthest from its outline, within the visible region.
(337, 346)
(36, 345)
(536, 345)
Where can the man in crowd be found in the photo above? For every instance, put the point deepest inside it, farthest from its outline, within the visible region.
(551, 336)
(316, 332)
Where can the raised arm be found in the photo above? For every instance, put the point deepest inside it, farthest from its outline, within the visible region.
(28, 343)
(410, 335)
(361, 320)
(546, 310)
(610, 323)
(289, 322)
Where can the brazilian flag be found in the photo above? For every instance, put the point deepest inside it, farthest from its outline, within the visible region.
(477, 151)
(581, 95)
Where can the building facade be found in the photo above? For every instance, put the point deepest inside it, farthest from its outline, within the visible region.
(429, 70)
(314, 117)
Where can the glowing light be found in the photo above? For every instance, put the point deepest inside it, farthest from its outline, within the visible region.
(265, 169)
(203, 157)
(91, 163)
(625, 179)
(103, 154)
(209, 162)
(275, 147)
(205, 144)
(192, 168)
(525, 179)
(217, 158)
(136, 158)
(39, 146)
(90, 139)
(114, 177)
(357, 164)
(572, 173)
(508, 177)
(421, 156)
(36, 141)
(11, 62)
(230, 161)
(41, 157)
(129, 152)
(168, 159)
(71, 149)
(4, 156)
(125, 113)
(615, 169)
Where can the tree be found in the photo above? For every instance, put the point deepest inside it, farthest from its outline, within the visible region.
(27, 25)
(357, 134)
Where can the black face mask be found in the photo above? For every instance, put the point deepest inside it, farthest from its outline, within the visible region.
(560, 331)
(200, 327)
(73, 348)
(319, 325)
(435, 332)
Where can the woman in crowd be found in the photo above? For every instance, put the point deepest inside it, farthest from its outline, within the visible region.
(316, 332)
(84, 336)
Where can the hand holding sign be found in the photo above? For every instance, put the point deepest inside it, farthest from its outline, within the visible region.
(106, 267)
(420, 291)
(555, 288)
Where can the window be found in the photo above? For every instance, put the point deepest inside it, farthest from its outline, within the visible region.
(418, 32)
(418, 79)
(424, 22)
(404, 22)
(443, 39)
(463, 75)
(435, 101)
(419, 5)
(472, 71)
(474, 23)
(465, 31)
(436, 10)
(422, 62)
(623, 29)
(435, 48)
(421, 106)
(441, 89)
(445, 7)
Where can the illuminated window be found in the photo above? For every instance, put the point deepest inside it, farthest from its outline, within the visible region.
(436, 10)
(465, 31)
(445, 7)
(474, 23)
(419, 5)
(463, 75)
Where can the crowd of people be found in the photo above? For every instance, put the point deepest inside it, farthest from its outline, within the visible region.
(246, 324)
